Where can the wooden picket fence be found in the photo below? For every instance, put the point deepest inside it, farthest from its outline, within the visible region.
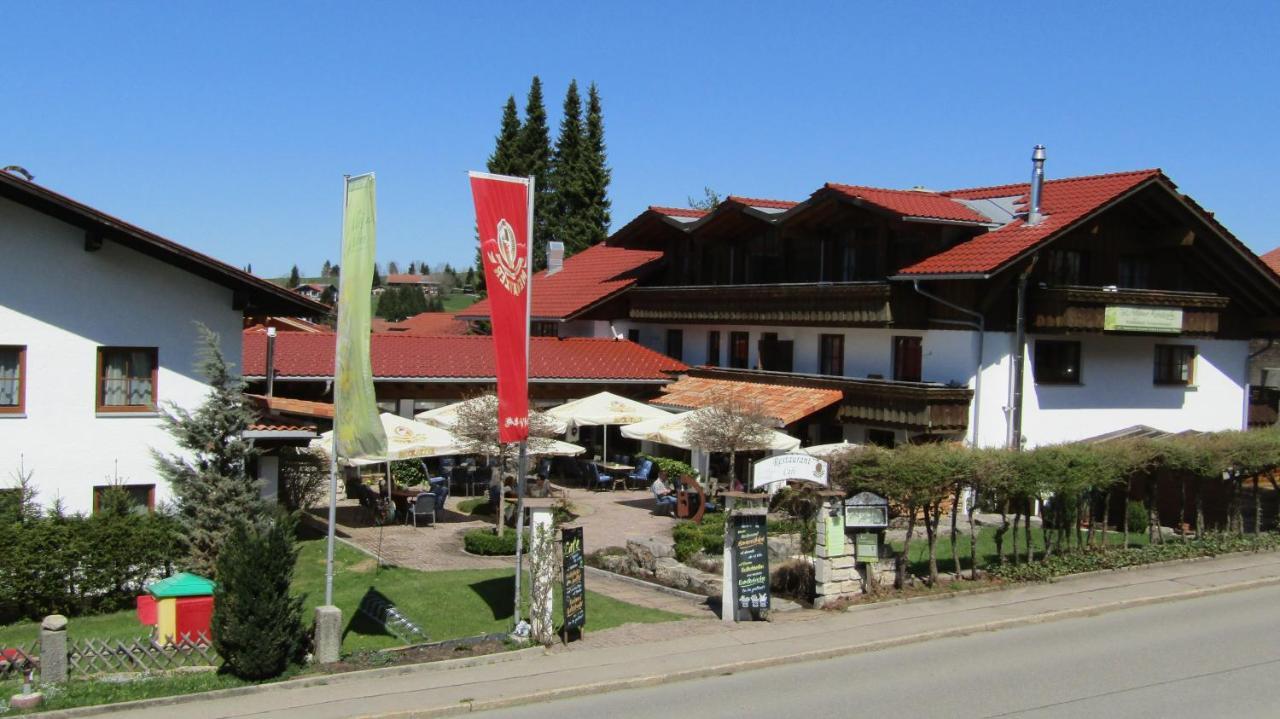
(18, 659)
(97, 656)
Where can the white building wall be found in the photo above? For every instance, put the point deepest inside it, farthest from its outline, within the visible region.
(63, 303)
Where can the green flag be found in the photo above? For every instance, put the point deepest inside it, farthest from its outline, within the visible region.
(357, 430)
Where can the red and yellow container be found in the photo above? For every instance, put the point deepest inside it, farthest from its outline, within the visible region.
(179, 607)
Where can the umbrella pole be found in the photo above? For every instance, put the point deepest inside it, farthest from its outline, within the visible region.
(605, 457)
(520, 471)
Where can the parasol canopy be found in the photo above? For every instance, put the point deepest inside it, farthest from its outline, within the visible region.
(671, 431)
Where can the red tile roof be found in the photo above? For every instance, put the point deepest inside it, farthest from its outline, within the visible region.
(911, 203)
(1064, 203)
(677, 211)
(761, 202)
(784, 403)
(427, 323)
(1272, 260)
(279, 424)
(587, 278)
(407, 279)
(464, 357)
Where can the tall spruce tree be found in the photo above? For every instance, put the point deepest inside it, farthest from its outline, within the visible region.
(326, 270)
(294, 278)
(568, 218)
(211, 484)
(505, 159)
(535, 159)
(596, 173)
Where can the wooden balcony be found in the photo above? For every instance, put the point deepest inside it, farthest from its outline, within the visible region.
(851, 304)
(1085, 309)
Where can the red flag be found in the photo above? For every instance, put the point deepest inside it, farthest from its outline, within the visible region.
(504, 216)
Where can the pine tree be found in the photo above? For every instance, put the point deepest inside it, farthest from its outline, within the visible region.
(377, 276)
(596, 173)
(257, 621)
(249, 268)
(535, 155)
(211, 484)
(330, 295)
(506, 151)
(568, 201)
(471, 278)
(328, 268)
(412, 269)
(295, 278)
(393, 268)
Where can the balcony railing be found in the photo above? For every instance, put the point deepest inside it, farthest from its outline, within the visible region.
(1085, 308)
(845, 304)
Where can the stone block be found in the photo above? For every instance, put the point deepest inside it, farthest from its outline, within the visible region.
(843, 562)
(26, 701)
(53, 649)
(328, 634)
(648, 550)
(822, 570)
(54, 623)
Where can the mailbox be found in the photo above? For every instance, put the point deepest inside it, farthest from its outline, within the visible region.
(866, 511)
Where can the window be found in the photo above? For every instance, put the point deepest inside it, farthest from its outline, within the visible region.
(127, 379)
(1135, 273)
(13, 379)
(545, 329)
(633, 335)
(1066, 267)
(1057, 362)
(774, 354)
(141, 497)
(1175, 364)
(675, 344)
(907, 359)
(739, 349)
(713, 348)
(881, 438)
(831, 354)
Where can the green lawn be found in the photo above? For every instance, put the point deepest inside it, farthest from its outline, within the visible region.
(458, 301)
(919, 559)
(447, 605)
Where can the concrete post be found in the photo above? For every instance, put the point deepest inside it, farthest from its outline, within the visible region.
(328, 634)
(53, 649)
(833, 570)
(542, 567)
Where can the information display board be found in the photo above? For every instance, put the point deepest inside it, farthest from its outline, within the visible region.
(574, 578)
(750, 565)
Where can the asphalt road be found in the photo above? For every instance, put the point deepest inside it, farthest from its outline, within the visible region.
(1215, 656)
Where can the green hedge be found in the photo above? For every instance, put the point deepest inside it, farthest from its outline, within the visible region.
(76, 565)
(708, 537)
(485, 542)
(1075, 562)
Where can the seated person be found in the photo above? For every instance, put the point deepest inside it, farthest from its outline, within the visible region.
(660, 488)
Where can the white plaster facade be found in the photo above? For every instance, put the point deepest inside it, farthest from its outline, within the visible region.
(1116, 389)
(62, 303)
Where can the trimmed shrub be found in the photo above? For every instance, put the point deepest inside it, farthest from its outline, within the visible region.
(1139, 519)
(487, 543)
(257, 621)
(794, 578)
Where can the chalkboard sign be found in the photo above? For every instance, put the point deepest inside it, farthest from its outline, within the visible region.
(574, 577)
(750, 565)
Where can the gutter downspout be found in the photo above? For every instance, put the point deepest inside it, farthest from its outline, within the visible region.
(980, 325)
(271, 360)
(1019, 358)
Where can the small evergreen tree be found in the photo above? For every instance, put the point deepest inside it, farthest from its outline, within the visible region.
(211, 484)
(710, 200)
(412, 269)
(257, 622)
(330, 295)
(596, 173)
(471, 278)
(377, 276)
(333, 272)
(393, 268)
(295, 278)
(535, 159)
(326, 270)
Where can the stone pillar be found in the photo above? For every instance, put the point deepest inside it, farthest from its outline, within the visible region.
(542, 567)
(328, 634)
(53, 649)
(834, 576)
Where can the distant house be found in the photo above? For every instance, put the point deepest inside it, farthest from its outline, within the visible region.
(315, 290)
(86, 362)
(430, 286)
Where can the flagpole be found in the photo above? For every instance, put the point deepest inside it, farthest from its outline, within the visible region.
(521, 466)
(333, 450)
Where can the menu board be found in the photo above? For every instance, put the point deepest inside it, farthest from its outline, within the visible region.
(750, 565)
(574, 577)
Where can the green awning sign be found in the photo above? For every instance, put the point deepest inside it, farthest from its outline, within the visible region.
(1124, 318)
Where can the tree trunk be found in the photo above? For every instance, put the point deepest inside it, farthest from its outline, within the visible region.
(1128, 489)
(1026, 532)
(955, 513)
(733, 468)
(495, 478)
(1257, 507)
(932, 516)
(1182, 508)
(1004, 527)
(1106, 518)
(1084, 511)
(1017, 513)
(1153, 512)
(973, 536)
(1200, 508)
(900, 571)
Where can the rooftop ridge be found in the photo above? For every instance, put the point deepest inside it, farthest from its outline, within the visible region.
(1026, 186)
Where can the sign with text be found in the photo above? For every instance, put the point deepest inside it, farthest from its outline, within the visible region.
(574, 578)
(867, 547)
(750, 565)
(1123, 318)
(783, 468)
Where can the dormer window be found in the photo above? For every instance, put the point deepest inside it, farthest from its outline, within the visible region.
(1135, 273)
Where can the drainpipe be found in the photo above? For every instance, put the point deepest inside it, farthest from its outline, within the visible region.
(271, 360)
(1019, 358)
(979, 324)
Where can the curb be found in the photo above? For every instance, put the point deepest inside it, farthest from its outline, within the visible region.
(733, 667)
(596, 571)
(301, 682)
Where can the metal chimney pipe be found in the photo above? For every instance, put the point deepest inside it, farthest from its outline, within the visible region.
(271, 360)
(1037, 185)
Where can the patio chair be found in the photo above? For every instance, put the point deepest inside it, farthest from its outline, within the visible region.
(596, 478)
(544, 468)
(666, 503)
(424, 505)
(641, 473)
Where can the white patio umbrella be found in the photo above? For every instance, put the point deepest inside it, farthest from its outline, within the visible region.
(447, 416)
(827, 450)
(406, 439)
(671, 431)
(604, 409)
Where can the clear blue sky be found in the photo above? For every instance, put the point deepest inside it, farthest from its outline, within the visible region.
(228, 126)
